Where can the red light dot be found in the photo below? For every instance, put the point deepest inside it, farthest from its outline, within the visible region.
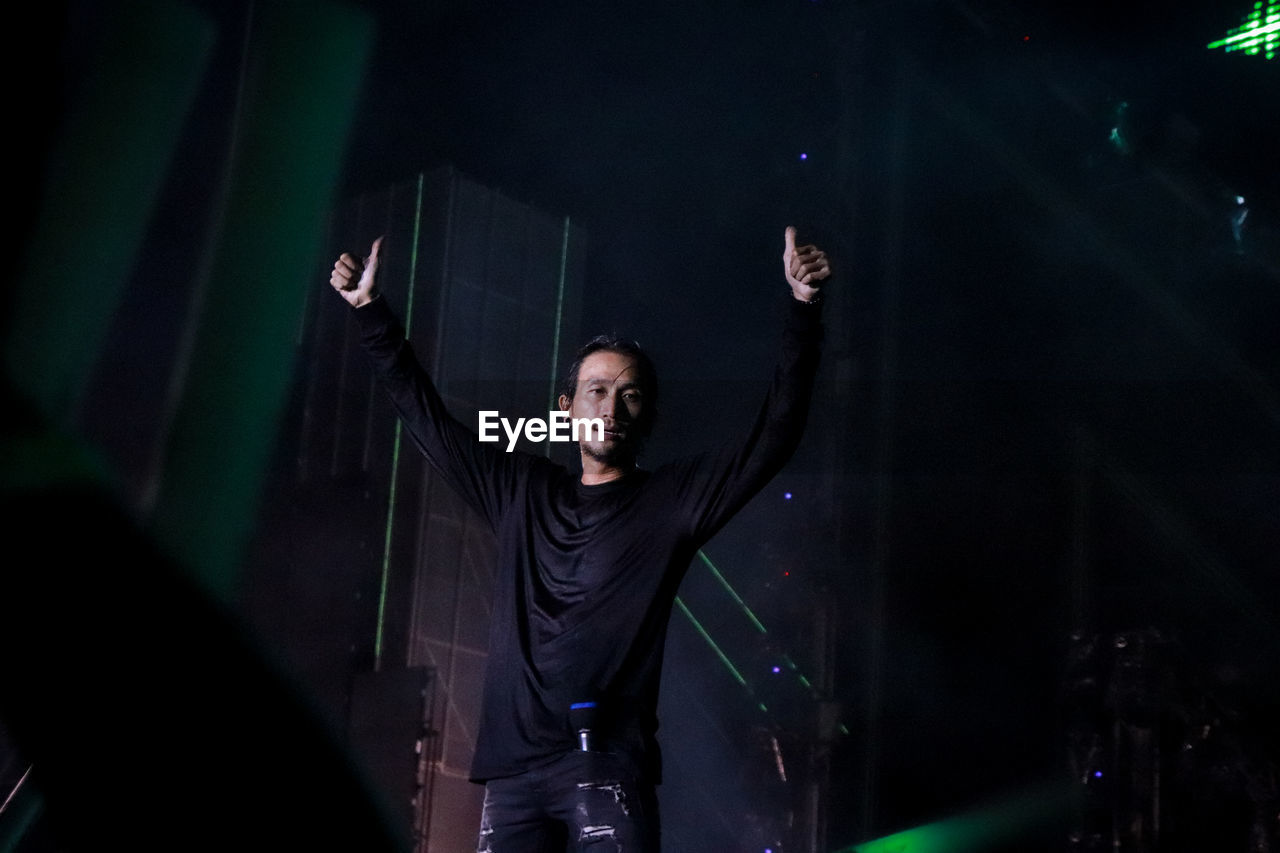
(1026, 38)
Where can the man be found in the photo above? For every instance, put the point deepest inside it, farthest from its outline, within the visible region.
(588, 567)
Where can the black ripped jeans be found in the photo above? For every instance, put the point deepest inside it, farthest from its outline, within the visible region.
(582, 801)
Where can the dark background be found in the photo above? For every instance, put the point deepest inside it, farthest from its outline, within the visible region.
(1050, 396)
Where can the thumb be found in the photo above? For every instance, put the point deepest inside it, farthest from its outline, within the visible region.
(370, 271)
(790, 237)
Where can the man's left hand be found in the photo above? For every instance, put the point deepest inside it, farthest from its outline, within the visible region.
(806, 267)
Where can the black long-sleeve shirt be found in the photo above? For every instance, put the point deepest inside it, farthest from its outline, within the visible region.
(587, 575)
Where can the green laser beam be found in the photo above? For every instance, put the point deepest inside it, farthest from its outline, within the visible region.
(555, 341)
(732, 592)
(715, 647)
(751, 616)
(384, 581)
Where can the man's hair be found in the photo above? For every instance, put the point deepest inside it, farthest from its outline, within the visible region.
(622, 346)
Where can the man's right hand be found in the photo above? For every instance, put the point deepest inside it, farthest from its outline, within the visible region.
(356, 281)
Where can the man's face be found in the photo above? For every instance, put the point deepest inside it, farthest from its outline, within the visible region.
(609, 388)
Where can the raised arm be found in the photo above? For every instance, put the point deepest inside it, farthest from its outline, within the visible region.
(480, 473)
(718, 484)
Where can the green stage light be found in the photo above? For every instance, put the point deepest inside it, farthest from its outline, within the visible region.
(724, 659)
(1257, 34)
(1000, 822)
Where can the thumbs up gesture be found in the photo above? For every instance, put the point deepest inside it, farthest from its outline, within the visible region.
(806, 267)
(356, 280)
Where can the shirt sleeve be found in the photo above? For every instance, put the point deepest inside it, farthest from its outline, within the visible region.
(715, 485)
(484, 475)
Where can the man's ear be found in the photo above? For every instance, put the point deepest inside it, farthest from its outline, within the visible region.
(565, 403)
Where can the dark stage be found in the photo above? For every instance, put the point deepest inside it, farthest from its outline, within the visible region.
(1017, 590)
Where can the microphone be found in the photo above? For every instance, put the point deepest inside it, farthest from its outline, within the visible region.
(582, 717)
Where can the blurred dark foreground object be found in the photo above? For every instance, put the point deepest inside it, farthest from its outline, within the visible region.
(147, 715)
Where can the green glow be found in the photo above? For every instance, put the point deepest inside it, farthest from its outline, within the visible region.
(933, 838)
(106, 169)
(979, 829)
(304, 82)
(1117, 136)
(24, 805)
(1258, 33)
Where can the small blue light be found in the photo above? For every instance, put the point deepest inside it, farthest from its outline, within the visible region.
(804, 156)
(777, 669)
(1097, 774)
(786, 496)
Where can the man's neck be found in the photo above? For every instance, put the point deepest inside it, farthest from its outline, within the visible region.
(595, 471)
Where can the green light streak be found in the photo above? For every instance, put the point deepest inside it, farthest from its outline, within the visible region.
(386, 551)
(732, 592)
(800, 676)
(712, 643)
(1252, 35)
(786, 659)
(1259, 32)
(555, 343)
(724, 659)
(413, 257)
(384, 580)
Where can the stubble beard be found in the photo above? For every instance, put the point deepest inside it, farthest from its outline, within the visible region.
(618, 456)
